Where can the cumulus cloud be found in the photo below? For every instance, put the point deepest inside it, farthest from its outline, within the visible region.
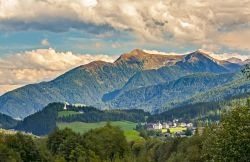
(39, 65)
(236, 39)
(198, 22)
(219, 56)
(163, 53)
(45, 42)
(225, 56)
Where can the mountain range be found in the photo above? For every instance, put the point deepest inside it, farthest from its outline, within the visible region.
(135, 80)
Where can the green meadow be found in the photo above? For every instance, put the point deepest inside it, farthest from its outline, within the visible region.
(126, 126)
(173, 130)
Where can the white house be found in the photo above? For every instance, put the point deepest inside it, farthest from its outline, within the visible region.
(165, 125)
(190, 125)
(157, 126)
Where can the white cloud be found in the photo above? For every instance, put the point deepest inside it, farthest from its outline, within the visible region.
(45, 42)
(219, 56)
(163, 53)
(236, 39)
(39, 65)
(196, 22)
(224, 56)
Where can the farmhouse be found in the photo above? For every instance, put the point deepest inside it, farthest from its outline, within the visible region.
(157, 126)
(166, 125)
(190, 125)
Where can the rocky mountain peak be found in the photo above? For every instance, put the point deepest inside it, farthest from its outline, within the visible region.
(148, 60)
(136, 54)
(234, 60)
(197, 56)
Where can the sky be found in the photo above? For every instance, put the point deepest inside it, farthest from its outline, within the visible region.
(41, 39)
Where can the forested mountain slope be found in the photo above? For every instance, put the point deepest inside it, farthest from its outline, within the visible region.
(101, 84)
(171, 94)
(45, 121)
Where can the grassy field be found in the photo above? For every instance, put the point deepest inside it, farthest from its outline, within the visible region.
(173, 130)
(66, 113)
(126, 126)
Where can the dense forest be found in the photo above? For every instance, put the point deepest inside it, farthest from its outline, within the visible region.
(44, 121)
(7, 122)
(227, 141)
(132, 115)
(204, 111)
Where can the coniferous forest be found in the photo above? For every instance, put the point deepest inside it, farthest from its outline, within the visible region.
(227, 141)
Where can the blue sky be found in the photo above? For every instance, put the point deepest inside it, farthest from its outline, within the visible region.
(111, 42)
(38, 35)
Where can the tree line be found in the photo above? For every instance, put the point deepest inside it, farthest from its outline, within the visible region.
(227, 141)
(44, 121)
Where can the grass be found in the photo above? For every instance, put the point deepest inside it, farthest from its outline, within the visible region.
(173, 130)
(132, 135)
(66, 113)
(126, 126)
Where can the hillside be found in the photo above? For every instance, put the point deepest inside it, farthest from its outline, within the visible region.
(80, 127)
(83, 118)
(238, 87)
(170, 94)
(7, 122)
(45, 121)
(203, 111)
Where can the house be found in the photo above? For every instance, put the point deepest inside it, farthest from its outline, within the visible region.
(174, 125)
(183, 125)
(165, 125)
(157, 126)
(170, 123)
(150, 126)
(190, 125)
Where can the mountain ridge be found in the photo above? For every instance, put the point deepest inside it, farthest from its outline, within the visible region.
(156, 96)
(87, 84)
(150, 61)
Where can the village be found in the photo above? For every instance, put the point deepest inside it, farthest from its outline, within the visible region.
(172, 128)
